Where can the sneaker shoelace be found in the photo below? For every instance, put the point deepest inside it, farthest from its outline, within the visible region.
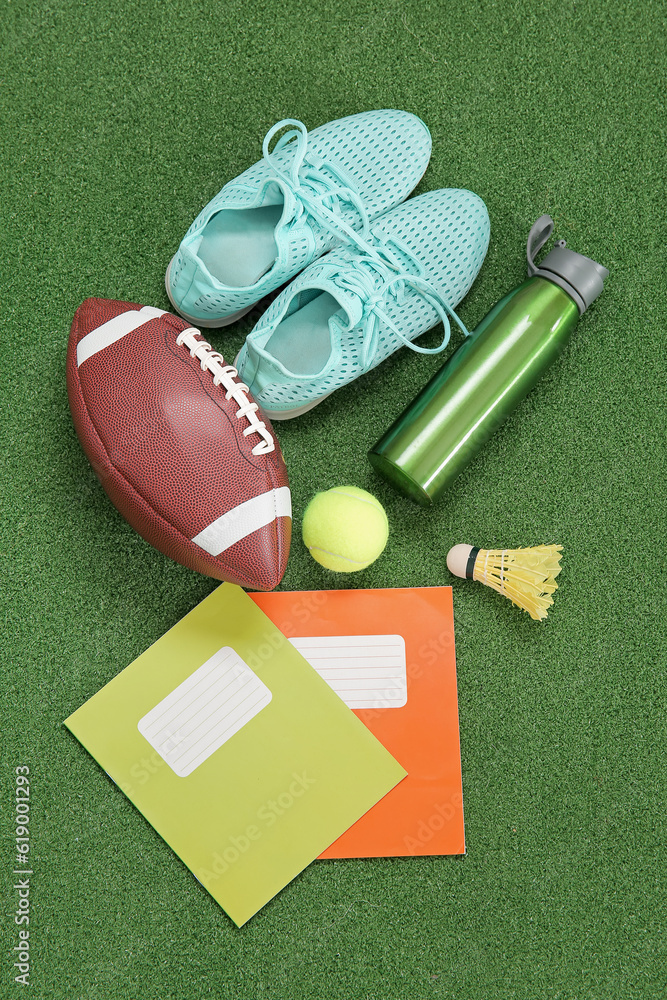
(380, 274)
(319, 188)
(225, 375)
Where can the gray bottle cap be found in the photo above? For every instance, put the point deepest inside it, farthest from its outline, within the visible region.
(579, 276)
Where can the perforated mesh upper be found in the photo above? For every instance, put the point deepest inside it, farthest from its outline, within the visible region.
(382, 154)
(446, 232)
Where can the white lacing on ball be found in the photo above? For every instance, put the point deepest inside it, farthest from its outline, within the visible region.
(224, 375)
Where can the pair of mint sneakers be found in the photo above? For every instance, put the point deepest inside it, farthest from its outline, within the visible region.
(371, 271)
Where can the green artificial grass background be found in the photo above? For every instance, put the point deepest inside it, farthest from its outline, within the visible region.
(119, 121)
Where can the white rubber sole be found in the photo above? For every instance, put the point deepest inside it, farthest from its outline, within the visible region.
(289, 414)
(209, 324)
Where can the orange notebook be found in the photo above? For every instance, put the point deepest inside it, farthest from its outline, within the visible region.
(389, 654)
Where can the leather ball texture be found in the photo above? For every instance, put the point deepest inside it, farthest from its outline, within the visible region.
(168, 444)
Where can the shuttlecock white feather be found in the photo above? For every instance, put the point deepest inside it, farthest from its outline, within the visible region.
(527, 576)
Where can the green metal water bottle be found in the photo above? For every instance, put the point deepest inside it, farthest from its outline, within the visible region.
(496, 366)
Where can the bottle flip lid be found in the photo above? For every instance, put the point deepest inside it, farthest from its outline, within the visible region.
(581, 277)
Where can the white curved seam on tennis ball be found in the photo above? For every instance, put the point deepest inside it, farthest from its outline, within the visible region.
(336, 555)
(351, 496)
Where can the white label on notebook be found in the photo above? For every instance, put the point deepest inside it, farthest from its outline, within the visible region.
(366, 671)
(204, 711)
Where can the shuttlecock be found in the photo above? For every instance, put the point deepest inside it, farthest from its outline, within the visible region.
(526, 576)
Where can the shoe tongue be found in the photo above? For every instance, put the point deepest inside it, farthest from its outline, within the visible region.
(271, 194)
(351, 308)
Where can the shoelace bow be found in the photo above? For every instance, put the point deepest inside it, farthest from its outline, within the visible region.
(225, 375)
(379, 262)
(306, 177)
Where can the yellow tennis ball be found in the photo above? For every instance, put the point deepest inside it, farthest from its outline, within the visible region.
(345, 529)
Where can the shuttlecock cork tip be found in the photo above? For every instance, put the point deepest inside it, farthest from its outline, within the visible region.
(457, 559)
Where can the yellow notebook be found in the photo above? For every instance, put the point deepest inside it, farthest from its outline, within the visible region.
(235, 750)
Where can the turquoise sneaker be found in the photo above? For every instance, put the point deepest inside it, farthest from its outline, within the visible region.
(357, 305)
(310, 193)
